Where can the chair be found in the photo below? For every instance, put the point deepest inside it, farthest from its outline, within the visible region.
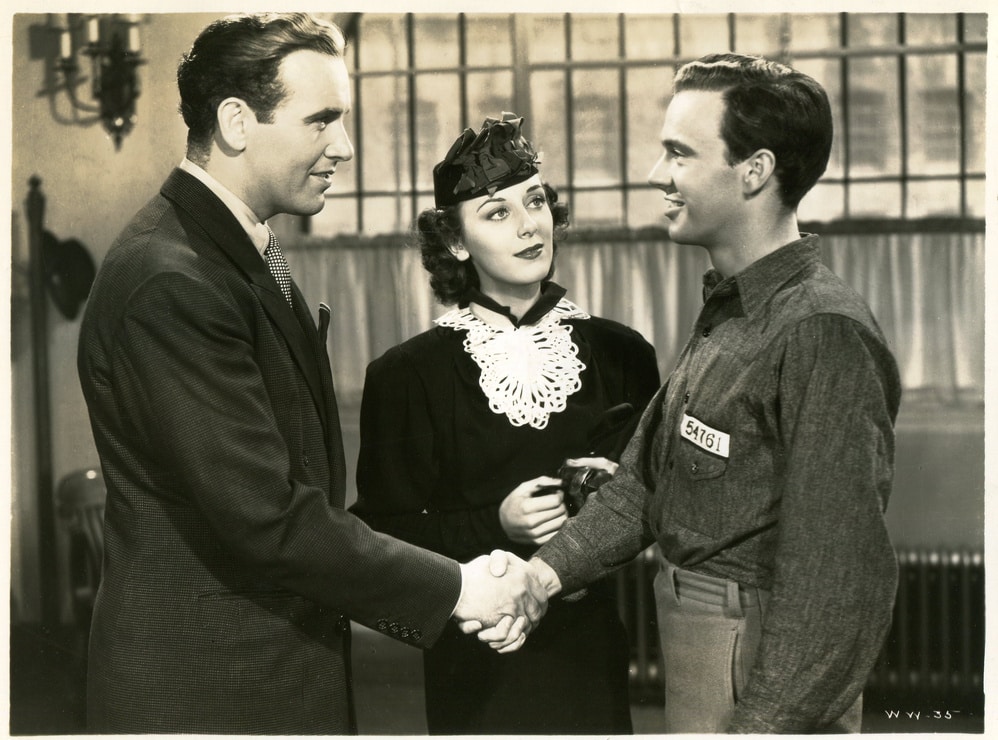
(80, 496)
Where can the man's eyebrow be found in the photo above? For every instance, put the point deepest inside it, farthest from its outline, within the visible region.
(326, 114)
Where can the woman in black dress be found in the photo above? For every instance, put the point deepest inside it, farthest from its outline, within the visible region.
(463, 427)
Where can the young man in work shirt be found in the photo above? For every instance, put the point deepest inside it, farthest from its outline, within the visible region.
(763, 467)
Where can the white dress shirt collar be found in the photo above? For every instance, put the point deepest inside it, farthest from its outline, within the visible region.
(258, 231)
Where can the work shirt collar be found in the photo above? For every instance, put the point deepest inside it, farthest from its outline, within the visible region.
(758, 283)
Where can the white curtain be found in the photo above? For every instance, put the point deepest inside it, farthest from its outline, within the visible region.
(926, 290)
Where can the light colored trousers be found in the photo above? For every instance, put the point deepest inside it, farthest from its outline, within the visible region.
(710, 629)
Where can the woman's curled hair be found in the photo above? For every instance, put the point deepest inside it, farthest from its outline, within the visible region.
(439, 229)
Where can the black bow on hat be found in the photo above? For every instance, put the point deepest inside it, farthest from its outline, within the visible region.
(495, 157)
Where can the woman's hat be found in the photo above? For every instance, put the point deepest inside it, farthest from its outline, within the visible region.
(478, 163)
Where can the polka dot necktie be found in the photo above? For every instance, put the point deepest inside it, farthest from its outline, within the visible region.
(278, 265)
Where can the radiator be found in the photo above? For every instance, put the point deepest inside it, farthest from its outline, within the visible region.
(936, 643)
(935, 646)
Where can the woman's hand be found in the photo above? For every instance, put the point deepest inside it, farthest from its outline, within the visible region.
(533, 520)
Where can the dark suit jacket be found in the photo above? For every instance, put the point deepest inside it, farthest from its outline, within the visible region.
(231, 569)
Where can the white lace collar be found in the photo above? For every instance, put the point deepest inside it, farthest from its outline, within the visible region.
(528, 372)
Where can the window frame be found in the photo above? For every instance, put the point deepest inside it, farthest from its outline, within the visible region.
(522, 68)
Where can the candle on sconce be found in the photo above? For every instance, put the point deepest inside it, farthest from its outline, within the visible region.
(65, 44)
(133, 37)
(111, 43)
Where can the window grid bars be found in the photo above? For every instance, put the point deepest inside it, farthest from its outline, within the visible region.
(569, 109)
(961, 101)
(521, 66)
(903, 117)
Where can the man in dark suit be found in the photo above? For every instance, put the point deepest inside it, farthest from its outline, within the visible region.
(231, 568)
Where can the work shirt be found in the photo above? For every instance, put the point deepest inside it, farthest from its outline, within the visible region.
(767, 459)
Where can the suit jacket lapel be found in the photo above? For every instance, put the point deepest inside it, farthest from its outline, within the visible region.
(335, 441)
(226, 233)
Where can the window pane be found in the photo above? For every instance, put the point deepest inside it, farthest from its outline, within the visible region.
(384, 157)
(814, 31)
(596, 110)
(873, 127)
(872, 29)
(547, 38)
(933, 198)
(438, 122)
(339, 216)
(436, 41)
(702, 34)
(649, 36)
(488, 40)
(933, 116)
(425, 200)
(974, 125)
(489, 94)
(976, 203)
(594, 36)
(648, 94)
(875, 200)
(758, 34)
(929, 28)
(387, 215)
(599, 208)
(975, 27)
(824, 202)
(645, 207)
(381, 42)
(826, 73)
(549, 129)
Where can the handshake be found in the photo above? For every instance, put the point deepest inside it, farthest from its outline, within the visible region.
(503, 598)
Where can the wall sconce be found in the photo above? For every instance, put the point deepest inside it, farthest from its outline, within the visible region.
(112, 43)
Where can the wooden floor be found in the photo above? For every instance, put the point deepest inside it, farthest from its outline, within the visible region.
(47, 679)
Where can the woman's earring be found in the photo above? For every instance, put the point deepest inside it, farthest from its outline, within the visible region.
(460, 253)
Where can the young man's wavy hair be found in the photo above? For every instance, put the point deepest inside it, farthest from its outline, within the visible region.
(240, 56)
(768, 105)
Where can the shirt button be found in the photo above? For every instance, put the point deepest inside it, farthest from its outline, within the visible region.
(304, 460)
(694, 468)
(706, 331)
(686, 398)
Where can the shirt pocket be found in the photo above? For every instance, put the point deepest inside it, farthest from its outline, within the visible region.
(699, 490)
(698, 465)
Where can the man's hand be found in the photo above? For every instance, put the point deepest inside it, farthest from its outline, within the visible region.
(500, 592)
(600, 463)
(546, 576)
(530, 519)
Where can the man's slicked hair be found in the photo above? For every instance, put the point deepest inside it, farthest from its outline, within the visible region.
(768, 105)
(240, 56)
